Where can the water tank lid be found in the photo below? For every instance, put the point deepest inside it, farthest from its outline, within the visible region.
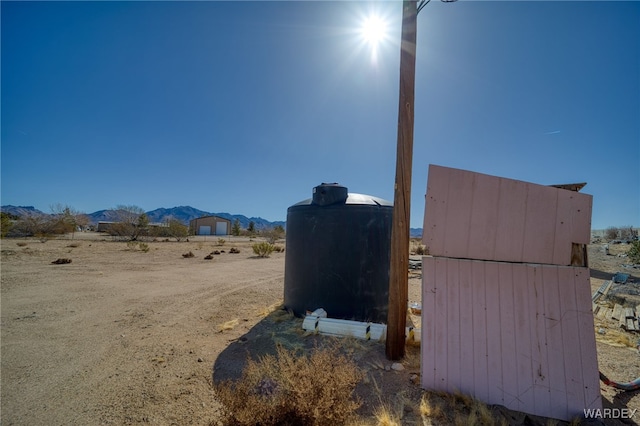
(354, 199)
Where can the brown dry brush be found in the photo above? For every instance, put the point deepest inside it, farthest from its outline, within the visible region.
(440, 408)
(289, 389)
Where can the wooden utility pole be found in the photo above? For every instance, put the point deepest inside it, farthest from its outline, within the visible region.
(398, 273)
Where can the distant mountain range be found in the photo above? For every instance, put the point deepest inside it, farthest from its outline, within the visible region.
(182, 213)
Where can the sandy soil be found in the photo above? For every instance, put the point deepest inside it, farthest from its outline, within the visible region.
(120, 336)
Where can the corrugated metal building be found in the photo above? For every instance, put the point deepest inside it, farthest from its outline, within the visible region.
(506, 297)
(210, 225)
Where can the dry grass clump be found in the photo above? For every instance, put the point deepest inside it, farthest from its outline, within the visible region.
(624, 339)
(288, 389)
(229, 325)
(385, 417)
(616, 338)
(455, 409)
(278, 306)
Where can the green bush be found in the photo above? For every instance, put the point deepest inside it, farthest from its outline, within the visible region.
(634, 252)
(292, 390)
(263, 249)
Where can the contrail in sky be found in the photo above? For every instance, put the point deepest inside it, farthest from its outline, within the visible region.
(554, 132)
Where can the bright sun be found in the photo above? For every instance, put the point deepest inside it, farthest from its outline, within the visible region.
(374, 30)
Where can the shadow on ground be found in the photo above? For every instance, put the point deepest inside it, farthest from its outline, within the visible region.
(399, 391)
(381, 384)
(601, 275)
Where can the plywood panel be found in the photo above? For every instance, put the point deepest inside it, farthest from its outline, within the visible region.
(480, 329)
(454, 326)
(554, 342)
(539, 360)
(458, 213)
(495, 351)
(483, 220)
(436, 198)
(509, 233)
(524, 339)
(531, 346)
(539, 224)
(508, 335)
(428, 330)
(571, 338)
(590, 376)
(442, 326)
(467, 304)
(475, 216)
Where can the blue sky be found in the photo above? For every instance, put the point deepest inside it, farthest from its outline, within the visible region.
(244, 107)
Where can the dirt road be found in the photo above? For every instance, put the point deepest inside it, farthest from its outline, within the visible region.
(121, 336)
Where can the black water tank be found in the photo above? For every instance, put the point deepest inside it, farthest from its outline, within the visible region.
(338, 253)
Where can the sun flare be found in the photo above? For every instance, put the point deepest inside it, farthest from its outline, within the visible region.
(374, 30)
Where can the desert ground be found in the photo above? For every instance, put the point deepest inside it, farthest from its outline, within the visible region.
(123, 336)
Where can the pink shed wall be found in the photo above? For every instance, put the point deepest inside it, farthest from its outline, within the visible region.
(503, 318)
(476, 216)
(514, 334)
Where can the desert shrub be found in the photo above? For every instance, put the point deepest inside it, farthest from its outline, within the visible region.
(288, 389)
(188, 254)
(611, 233)
(21, 244)
(263, 249)
(278, 249)
(6, 223)
(273, 234)
(137, 245)
(626, 232)
(416, 247)
(172, 228)
(234, 250)
(221, 241)
(634, 252)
